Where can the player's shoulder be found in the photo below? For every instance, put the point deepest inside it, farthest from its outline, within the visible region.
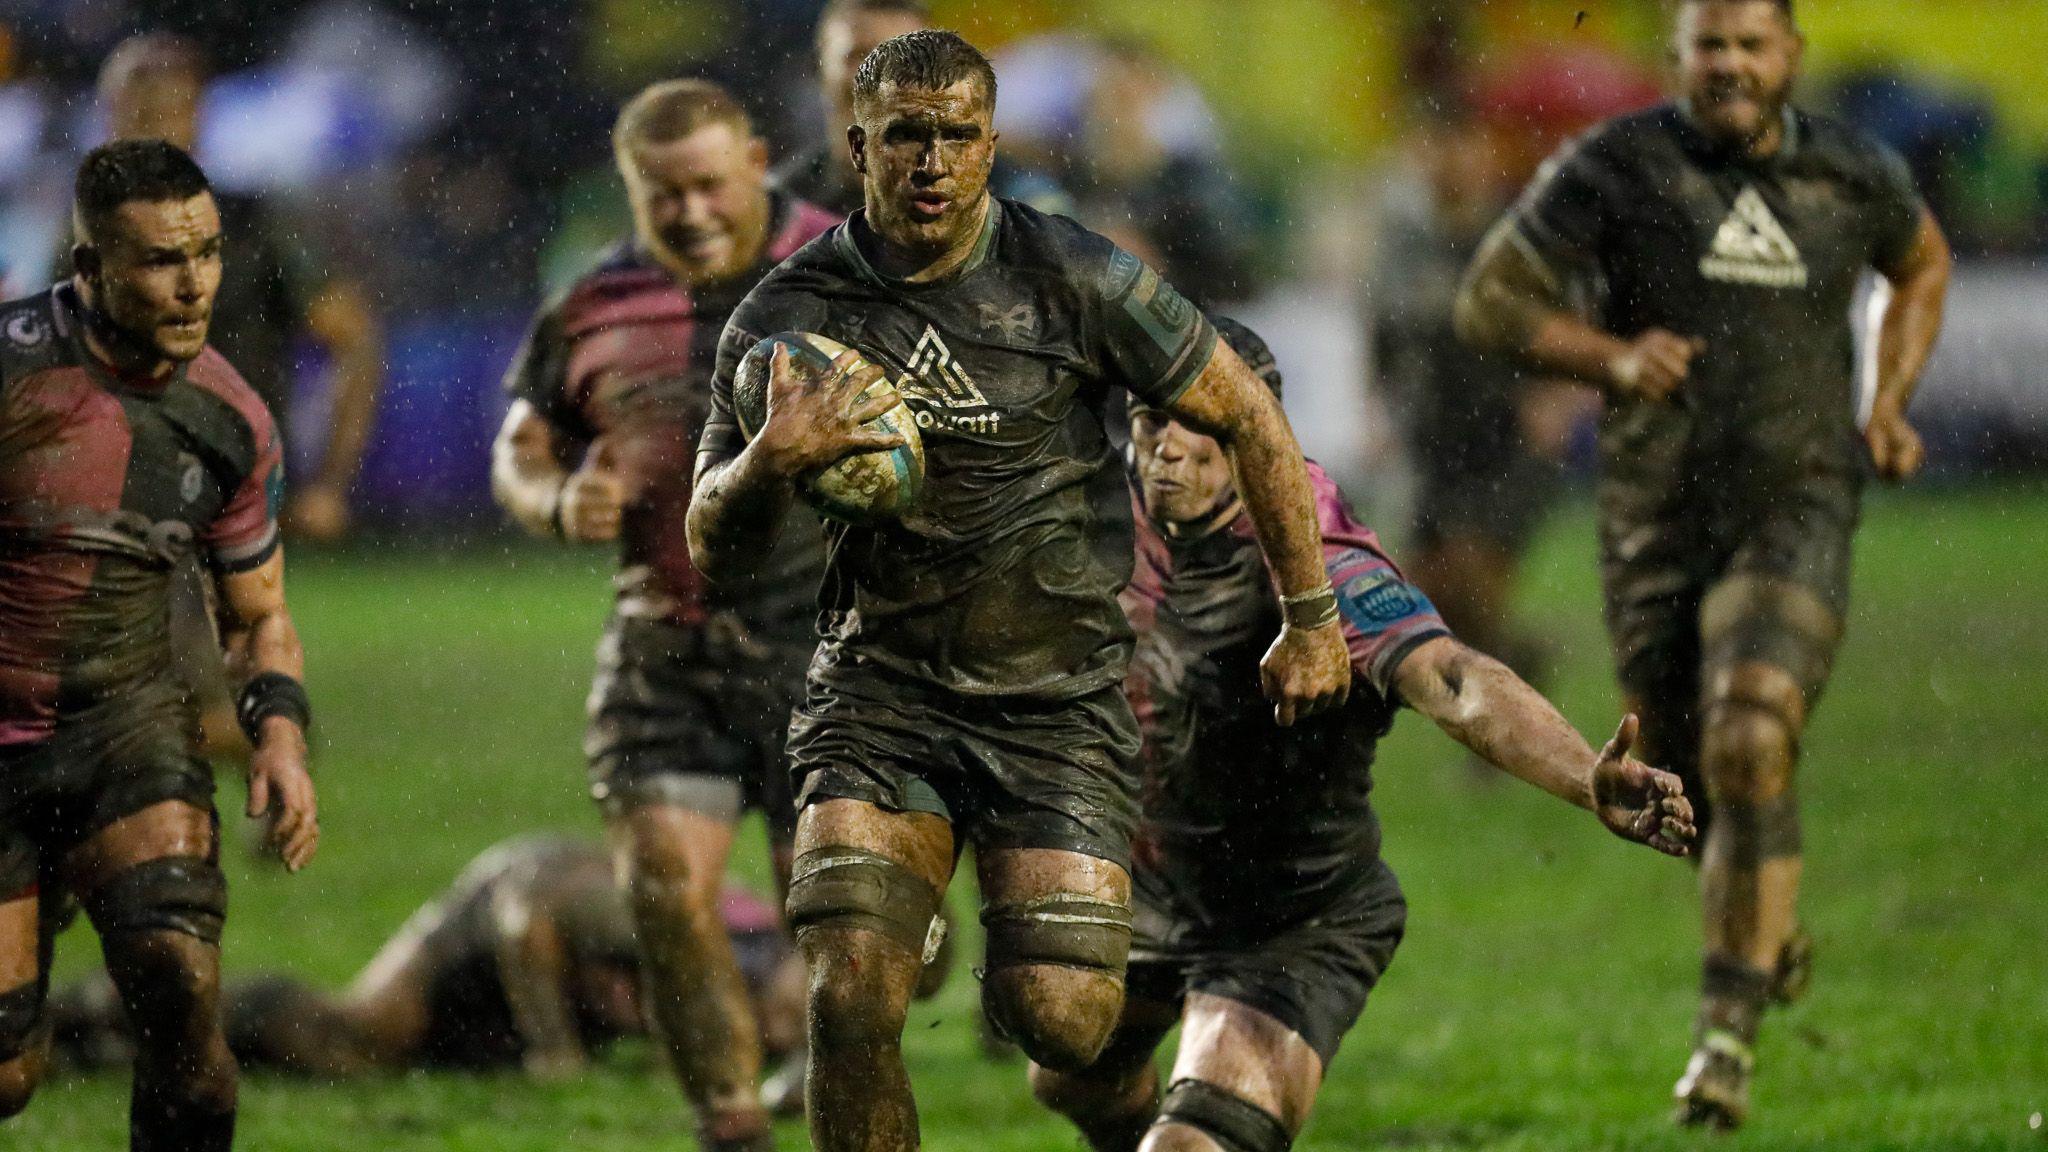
(32, 335)
(1028, 235)
(1626, 141)
(1334, 515)
(798, 222)
(213, 376)
(622, 285)
(1850, 150)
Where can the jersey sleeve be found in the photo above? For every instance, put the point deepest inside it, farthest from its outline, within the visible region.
(1562, 217)
(1154, 341)
(244, 535)
(539, 375)
(1384, 616)
(1896, 208)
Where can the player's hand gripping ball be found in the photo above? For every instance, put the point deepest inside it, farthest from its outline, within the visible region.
(864, 487)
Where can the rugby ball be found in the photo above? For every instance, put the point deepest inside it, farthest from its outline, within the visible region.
(863, 488)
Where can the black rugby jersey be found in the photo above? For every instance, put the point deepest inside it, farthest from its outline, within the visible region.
(1003, 580)
(1759, 258)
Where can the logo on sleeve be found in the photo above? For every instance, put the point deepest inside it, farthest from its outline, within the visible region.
(27, 329)
(941, 393)
(1376, 601)
(193, 480)
(1751, 247)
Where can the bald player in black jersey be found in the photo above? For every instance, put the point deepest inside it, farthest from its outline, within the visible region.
(1726, 233)
(966, 691)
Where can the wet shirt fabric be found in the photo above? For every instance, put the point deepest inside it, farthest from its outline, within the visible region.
(1760, 259)
(623, 358)
(107, 485)
(1003, 580)
(1248, 826)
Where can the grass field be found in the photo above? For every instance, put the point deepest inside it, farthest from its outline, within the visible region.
(1542, 998)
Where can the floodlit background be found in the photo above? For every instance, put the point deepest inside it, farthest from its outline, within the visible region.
(452, 155)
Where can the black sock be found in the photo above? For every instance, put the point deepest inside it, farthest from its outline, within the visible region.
(1732, 996)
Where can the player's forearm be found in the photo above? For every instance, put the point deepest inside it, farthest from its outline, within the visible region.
(736, 512)
(1912, 321)
(532, 967)
(1508, 305)
(1483, 705)
(342, 320)
(1273, 480)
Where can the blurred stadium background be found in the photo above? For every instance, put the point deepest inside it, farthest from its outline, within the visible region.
(452, 155)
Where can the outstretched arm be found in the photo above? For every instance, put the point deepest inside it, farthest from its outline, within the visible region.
(1912, 322)
(1512, 303)
(266, 661)
(738, 501)
(1308, 668)
(1487, 708)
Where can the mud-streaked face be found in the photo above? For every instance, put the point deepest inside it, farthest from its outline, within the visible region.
(155, 272)
(1183, 475)
(924, 158)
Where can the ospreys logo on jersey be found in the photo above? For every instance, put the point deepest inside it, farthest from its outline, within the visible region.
(1751, 247)
(941, 393)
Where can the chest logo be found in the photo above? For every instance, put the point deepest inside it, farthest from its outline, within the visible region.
(1015, 324)
(1751, 247)
(27, 330)
(193, 479)
(940, 391)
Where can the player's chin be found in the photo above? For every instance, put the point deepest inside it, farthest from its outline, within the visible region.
(179, 343)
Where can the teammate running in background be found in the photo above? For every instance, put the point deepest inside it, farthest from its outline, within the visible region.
(1728, 231)
(528, 959)
(127, 448)
(1264, 914)
(824, 175)
(694, 683)
(967, 688)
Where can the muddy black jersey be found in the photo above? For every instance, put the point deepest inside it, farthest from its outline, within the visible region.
(1759, 258)
(1247, 824)
(106, 486)
(1003, 580)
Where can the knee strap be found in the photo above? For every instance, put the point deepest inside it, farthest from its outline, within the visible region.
(21, 1010)
(855, 888)
(1064, 928)
(1764, 831)
(185, 894)
(1225, 1117)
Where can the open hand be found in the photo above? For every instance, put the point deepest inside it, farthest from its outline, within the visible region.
(1638, 802)
(1306, 671)
(281, 789)
(812, 426)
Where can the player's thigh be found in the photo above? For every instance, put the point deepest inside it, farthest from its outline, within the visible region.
(1250, 1058)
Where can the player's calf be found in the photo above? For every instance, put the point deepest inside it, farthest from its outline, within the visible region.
(24, 1047)
(185, 1077)
(1112, 1106)
(1198, 1116)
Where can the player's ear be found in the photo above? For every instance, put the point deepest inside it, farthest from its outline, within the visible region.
(85, 260)
(757, 154)
(857, 147)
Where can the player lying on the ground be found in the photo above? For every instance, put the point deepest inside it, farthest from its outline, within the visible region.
(967, 687)
(694, 684)
(1264, 914)
(127, 445)
(528, 959)
(1729, 232)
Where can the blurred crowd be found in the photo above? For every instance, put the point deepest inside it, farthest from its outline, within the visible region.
(443, 164)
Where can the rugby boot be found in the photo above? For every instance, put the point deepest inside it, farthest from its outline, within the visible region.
(1714, 1092)
(1793, 974)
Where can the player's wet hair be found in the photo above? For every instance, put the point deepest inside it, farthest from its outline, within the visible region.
(152, 54)
(930, 60)
(129, 170)
(670, 110)
(837, 10)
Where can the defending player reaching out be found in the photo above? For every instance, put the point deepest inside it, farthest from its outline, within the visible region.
(967, 685)
(127, 445)
(1728, 231)
(1264, 914)
(694, 683)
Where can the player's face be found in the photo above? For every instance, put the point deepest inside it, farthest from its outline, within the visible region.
(700, 204)
(924, 157)
(156, 272)
(842, 45)
(1182, 475)
(1737, 62)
